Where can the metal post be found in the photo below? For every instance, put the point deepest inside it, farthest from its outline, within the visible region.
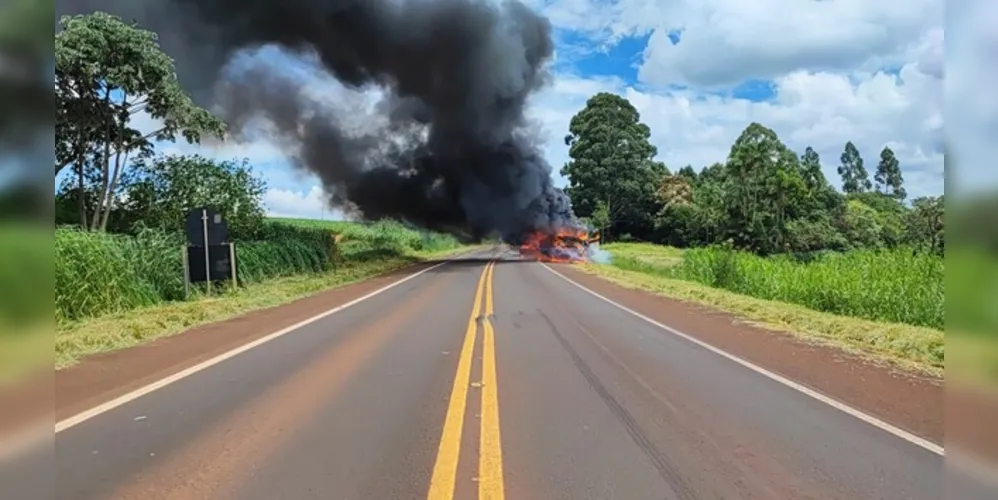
(187, 273)
(207, 259)
(232, 263)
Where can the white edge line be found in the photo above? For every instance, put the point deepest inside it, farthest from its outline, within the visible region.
(874, 421)
(159, 384)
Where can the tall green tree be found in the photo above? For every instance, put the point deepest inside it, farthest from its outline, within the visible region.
(888, 177)
(107, 72)
(612, 162)
(689, 174)
(855, 178)
(810, 164)
(764, 190)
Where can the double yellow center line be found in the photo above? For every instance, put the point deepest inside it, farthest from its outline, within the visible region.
(490, 483)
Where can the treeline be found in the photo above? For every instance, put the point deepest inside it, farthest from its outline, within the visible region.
(765, 198)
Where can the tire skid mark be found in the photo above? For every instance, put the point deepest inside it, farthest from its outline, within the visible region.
(658, 459)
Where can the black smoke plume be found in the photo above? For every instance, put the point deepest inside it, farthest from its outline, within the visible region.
(445, 147)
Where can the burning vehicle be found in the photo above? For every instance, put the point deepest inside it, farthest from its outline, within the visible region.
(561, 245)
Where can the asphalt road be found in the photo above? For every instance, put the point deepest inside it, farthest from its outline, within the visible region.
(537, 391)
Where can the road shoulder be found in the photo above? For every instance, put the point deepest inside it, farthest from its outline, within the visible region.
(910, 401)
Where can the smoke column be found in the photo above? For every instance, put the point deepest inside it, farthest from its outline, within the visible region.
(446, 144)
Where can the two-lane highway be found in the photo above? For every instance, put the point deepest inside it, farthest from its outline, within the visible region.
(490, 378)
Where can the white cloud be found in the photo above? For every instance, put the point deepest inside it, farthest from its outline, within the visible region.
(256, 153)
(824, 58)
(302, 204)
(725, 42)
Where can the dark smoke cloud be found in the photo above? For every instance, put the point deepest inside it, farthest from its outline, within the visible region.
(447, 145)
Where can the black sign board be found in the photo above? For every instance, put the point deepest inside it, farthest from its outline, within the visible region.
(218, 230)
(218, 258)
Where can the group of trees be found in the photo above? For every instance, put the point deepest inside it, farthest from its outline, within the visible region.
(108, 73)
(763, 198)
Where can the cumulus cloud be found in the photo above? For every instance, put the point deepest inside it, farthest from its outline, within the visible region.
(724, 42)
(309, 204)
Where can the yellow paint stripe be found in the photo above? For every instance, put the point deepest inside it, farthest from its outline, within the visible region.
(490, 482)
(445, 469)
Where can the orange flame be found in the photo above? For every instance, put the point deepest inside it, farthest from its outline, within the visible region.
(559, 245)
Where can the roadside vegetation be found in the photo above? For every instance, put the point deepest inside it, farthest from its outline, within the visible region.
(149, 305)
(120, 206)
(764, 234)
(805, 299)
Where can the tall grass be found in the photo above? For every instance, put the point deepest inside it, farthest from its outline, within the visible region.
(897, 285)
(101, 273)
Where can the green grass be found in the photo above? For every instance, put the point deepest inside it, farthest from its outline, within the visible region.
(885, 305)
(638, 254)
(893, 286)
(115, 291)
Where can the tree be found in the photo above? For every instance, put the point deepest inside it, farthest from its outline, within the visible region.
(612, 163)
(764, 189)
(810, 165)
(689, 174)
(107, 72)
(855, 179)
(674, 190)
(861, 227)
(924, 224)
(888, 176)
(600, 217)
(169, 186)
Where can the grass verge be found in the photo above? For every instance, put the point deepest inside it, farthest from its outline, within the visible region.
(75, 340)
(912, 348)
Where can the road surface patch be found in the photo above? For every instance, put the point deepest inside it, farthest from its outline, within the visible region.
(856, 413)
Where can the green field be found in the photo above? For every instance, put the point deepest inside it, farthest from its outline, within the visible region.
(889, 302)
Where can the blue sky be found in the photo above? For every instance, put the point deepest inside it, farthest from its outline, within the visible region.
(700, 71)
